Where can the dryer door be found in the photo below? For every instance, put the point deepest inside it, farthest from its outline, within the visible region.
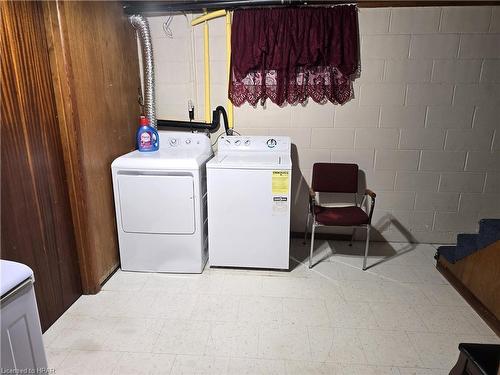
(156, 203)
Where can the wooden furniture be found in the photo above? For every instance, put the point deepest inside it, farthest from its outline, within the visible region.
(476, 279)
(70, 80)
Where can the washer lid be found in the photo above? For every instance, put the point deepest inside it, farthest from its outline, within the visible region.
(251, 160)
(12, 274)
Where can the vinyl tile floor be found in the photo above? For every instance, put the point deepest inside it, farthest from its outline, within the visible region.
(399, 317)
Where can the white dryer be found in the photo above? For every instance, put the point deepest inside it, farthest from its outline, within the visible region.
(248, 186)
(160, 201)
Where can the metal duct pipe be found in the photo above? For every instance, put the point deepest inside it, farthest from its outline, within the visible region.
(141, 25)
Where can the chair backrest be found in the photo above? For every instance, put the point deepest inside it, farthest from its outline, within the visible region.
(335, 178)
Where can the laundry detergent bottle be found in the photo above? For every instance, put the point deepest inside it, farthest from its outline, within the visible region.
(147, 137)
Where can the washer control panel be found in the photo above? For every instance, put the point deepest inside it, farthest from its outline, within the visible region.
(254, 143)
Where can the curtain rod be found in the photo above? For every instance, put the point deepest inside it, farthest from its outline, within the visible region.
(151, 7)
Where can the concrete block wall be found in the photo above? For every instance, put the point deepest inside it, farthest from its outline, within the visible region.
(424, 123)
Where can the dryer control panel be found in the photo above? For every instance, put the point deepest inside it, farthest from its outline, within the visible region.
(183, 140)
(255, 143)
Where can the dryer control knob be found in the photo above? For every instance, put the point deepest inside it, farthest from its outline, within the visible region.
(188, 141)
(237, 142)
(247, 142)
(228, 141)
(173, 142)
(271, 143)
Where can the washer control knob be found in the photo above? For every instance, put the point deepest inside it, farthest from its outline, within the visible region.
(173, 142)
(247, 142)
(228, 141)
(188, 141)
(237, 142)
(271, 143)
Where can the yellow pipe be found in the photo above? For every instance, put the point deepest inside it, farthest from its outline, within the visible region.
(208, 16)
(228, 62)
(206, 62)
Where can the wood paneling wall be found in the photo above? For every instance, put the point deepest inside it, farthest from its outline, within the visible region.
(70, 80)
(36, 216)
(96, 80)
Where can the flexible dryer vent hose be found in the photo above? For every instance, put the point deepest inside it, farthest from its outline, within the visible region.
(141, 25)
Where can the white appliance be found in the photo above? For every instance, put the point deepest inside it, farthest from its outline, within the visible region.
(22, 343)
(248, 186)
(160, 201)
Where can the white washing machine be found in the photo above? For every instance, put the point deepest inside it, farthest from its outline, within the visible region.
(160, 201)
(248, 186)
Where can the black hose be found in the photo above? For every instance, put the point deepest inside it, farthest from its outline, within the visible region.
(222, 110)
(193, 125)
(211, 127)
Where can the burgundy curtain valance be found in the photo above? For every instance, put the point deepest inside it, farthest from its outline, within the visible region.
(290, 54)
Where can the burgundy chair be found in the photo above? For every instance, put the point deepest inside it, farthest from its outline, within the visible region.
(338, 178)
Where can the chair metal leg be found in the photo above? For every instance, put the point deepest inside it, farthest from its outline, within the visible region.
(352, 236)
(312, 244)
(307, 227)
(366, 247)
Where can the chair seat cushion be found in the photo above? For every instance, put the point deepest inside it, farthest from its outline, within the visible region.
(341, 216)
